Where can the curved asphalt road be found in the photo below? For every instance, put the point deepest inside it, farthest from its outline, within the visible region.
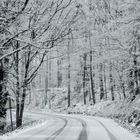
(74, 127)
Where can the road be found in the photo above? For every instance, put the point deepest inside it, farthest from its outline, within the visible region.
(74, 127)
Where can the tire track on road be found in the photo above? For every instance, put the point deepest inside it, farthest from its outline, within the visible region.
(83, 134)
(111, 136)
(56, 133)
(36, 133)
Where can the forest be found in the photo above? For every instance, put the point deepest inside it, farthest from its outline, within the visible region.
(56, 54)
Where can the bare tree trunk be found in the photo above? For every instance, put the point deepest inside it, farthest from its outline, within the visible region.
(69, 76)
(91, 72)
(23, 94)
(3, 95)
(101, 82)
(92, 80)
(16, 57)
(111, 83)
(122, 86)
(59, 75)
(46, 83)
(136, 75)
(123, 90)
(30, 94)
(50, 72)
(27, 64)
(90, 96)
(105, 84)
(11, 118)
(84, 77)
(22, 106)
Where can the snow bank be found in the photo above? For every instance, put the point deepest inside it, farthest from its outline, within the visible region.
(89, 109)
(126, 113)
(19, 131)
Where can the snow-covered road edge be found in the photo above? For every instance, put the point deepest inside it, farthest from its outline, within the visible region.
(107, 109)
(36, 122)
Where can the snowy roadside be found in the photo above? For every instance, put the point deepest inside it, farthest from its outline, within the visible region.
(27, 119)
(30, 122)
(123, 113)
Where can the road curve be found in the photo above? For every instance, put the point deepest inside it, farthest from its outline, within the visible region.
(73, 127)
(57, 132)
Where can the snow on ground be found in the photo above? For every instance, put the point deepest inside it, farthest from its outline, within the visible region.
(30, 122)
(27, 120)
(23, 130)
(126, 113)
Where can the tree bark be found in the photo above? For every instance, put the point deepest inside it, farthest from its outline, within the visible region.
(3, 95)
(84, 77)
(92, 80)
(122, 86)
(111, 83)
(59, 75)
(46, 83)
(69, 76)
(27, 64)
(16, 57)
(3, 92)
(101, 82)
(91, 72)
(105, 84)
(23, 96)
